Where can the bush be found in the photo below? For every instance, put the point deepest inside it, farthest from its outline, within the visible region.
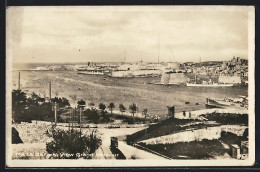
(92, 115)
(72, 143)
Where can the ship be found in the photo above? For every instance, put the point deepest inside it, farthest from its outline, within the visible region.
(90, 71)
(209, 85)
(240, 103)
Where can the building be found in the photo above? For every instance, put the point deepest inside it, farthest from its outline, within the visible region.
(226, 79)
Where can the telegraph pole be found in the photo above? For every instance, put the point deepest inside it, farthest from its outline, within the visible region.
(50, 90)
(55, 107)
(19, 81)
(80, 113)
(70, 118)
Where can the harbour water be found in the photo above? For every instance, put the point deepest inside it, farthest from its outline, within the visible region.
(97, 89)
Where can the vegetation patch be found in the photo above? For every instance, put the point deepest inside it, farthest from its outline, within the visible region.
(72, 145)
(227, 118)
(204, 149)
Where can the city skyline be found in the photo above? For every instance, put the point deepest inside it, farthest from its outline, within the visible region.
(110, 34)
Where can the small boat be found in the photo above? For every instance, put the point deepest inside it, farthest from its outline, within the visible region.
(227, 102)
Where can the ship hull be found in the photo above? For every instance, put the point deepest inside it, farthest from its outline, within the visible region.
(209, 85)
(90, 73)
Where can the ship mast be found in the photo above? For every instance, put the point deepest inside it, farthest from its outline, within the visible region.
(50, 90)
(158, 49)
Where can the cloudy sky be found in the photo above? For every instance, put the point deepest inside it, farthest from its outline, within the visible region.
(82, 34)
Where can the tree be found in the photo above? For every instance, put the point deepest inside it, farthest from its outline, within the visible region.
(111, 106)
(92, 104)
(145, 112)
(122, 108)
(65, 102)
(81, 103)
(62, 102)
(92, 115)
(34, 97)
(133, 109)
(102, 107)
(18, 105)
(72, 143)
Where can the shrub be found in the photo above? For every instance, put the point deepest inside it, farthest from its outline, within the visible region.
(72, 143)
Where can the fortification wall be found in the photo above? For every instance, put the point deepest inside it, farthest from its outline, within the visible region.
(173, 78)
(177, 78)
(165, 78)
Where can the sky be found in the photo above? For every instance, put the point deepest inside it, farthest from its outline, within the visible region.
(110, 33)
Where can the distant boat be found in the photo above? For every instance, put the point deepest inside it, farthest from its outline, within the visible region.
(90, 71)
(209, 85)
